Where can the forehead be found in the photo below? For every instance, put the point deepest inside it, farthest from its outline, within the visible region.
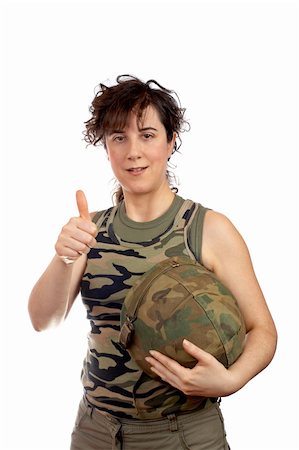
(149, 118)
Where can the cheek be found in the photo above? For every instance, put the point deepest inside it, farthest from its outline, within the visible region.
(162, 157)
(159, 153)
(115, 160)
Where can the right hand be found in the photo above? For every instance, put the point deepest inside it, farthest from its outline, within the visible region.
(78, 235)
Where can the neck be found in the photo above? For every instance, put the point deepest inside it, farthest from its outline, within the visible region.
(147, 207)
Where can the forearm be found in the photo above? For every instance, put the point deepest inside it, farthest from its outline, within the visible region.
(54, 293)
(258, 352)
(48, 302)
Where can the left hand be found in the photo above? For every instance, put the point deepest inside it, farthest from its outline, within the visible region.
(209, 378)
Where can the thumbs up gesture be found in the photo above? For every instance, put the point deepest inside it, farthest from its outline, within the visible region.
(78, 235)
(82, 205)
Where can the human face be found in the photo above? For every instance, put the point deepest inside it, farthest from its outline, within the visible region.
(138, 154)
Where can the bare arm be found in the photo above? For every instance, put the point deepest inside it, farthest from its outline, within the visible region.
(54, 293)
(226, 254)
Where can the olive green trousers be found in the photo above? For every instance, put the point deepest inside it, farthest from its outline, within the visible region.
(200, 430)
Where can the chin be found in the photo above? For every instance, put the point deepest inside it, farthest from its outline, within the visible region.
(138, 191)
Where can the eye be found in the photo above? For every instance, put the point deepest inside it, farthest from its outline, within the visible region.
(118, 138)
(148, 136)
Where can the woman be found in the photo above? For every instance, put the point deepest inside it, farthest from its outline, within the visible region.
(104, 253)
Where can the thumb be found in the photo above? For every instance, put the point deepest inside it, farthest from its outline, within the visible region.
(82, 205)
(195, 351)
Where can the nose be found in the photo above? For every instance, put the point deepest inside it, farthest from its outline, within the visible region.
(134, 151)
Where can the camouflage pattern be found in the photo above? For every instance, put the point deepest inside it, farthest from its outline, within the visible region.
(177, 299)
(113, 382)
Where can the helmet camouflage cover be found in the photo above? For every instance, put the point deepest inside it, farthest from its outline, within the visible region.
(179, 298)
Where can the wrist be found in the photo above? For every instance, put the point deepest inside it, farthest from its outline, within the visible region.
(236, 382)
(65, 261)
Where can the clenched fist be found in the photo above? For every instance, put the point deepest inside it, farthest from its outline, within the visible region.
(78, 235)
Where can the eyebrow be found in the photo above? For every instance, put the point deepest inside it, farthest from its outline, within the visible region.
(140, 129)
(115, 132)
(148, 128)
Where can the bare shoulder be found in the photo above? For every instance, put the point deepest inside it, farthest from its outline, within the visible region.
(218, 229)
(221, 239)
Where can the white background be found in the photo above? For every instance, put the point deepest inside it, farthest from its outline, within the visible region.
(234, 65)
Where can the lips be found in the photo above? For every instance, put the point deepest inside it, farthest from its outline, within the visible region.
(136, 169)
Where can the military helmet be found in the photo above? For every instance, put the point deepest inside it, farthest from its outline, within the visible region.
(179, 298)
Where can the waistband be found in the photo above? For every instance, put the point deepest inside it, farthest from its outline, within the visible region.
(171, 421)
(119, 428)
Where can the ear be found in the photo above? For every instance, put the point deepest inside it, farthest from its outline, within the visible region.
(171, 145)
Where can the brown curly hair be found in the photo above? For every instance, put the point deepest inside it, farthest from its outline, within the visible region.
(112, 105)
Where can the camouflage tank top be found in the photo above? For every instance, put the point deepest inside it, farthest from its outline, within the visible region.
(112, 381)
